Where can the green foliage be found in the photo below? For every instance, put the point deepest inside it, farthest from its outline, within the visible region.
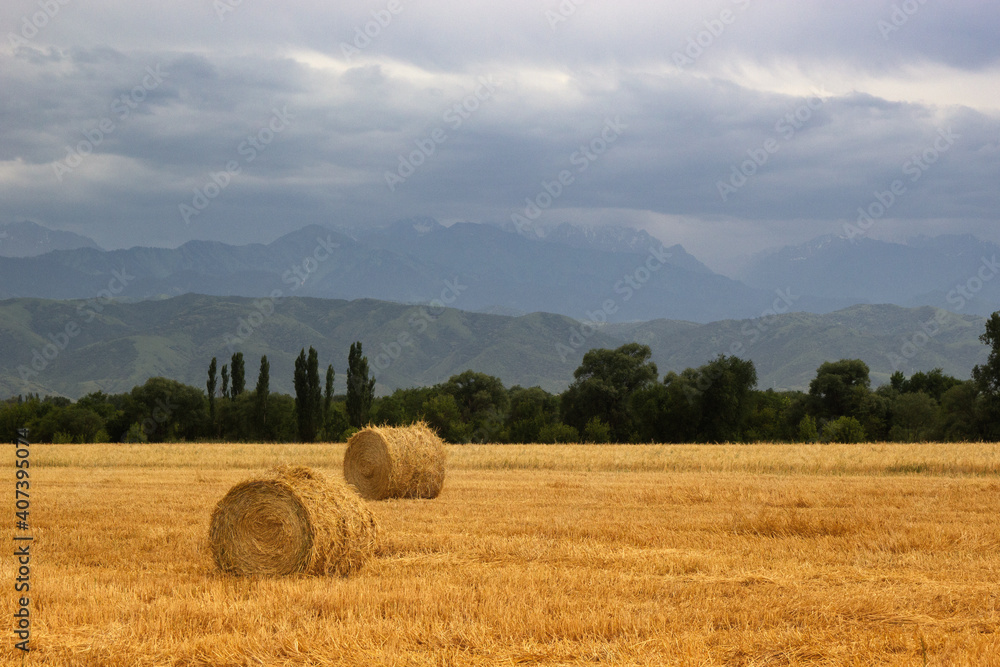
(844, 429)
(766, 418)
(73, 423)
(934, 384)
(712, 403)
(807, 430)
(238, 375)
(168, 410)
(443, 415)
(614, 398)
(261, 396)
(360, 388)
(552, 434)
(335, 423)
(914, 417)
(482, 403)
(210, 389)
(987, 380)
(840, 387)
(328, 393)
(724, 389)
(135, 434)
(960, 413)
(225, 381)
(596, 431)
(604, 385)
(530, 411)
(308, 399)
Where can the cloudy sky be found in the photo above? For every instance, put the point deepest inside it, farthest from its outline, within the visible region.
(725, 125)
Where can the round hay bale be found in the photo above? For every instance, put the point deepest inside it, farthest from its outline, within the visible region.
(292, 520)
(388, 462)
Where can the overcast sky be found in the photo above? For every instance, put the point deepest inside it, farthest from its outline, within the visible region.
(119, 120)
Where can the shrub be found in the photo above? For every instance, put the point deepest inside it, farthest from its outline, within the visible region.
(844, 429)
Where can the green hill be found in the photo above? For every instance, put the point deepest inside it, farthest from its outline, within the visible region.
(75, 347)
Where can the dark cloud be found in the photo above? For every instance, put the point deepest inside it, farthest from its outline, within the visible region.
(843, 102)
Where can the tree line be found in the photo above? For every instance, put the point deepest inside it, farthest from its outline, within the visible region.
(616, 396)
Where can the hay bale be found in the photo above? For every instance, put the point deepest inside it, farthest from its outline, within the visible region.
(386, 462)
(292, 520)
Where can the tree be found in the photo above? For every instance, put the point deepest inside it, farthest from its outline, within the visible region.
(960, 413)
(482, 401)
(261, 396)
(914, 417)
(442, 414)
(839, 387)
(558, 432)
(845, 430)
(596, 431)
(167, 410)
(225, 381)
(934, 383)
(807, 430)
(360, 389)
(530, 411)
(725, 387)
(315, 397)
(238, 371)
(986, 378)
(328, 394)
(603, 387)
(303, 403)
(210, 388)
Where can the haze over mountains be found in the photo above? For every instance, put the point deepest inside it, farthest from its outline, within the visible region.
(515, 302)
(27, 239)
(612, 273)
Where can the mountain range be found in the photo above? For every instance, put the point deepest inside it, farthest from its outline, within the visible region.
(470, 266)
(608, 273)
(956, 272)
(76, 347)
(430, 300)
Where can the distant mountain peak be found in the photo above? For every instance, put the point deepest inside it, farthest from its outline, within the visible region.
(29, 239)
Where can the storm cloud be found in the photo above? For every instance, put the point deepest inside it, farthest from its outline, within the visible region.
(741, 124)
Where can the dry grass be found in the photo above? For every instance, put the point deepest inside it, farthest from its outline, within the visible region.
(291, 520)
(529, 557)
(395, 462)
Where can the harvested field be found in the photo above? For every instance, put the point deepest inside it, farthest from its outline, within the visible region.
(557, 555)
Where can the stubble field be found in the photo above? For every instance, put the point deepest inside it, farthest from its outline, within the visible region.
(556, 555)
